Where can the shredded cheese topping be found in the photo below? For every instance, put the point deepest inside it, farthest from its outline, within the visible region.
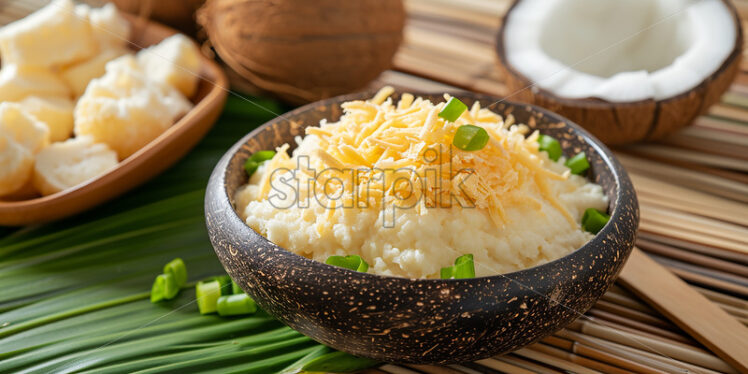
(382, 152)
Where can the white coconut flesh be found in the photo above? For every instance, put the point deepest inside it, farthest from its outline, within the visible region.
(619, 51)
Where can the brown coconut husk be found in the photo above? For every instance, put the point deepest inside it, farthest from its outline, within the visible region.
(627, 122)
(305, 50)
(179, 14)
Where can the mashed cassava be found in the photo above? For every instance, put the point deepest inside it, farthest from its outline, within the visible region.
(385, 183)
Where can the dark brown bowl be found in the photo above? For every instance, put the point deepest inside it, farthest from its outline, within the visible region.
(420, 320)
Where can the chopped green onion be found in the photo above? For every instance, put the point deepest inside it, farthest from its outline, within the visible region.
(594, 220)
(352, 262)
(261, 156)
(550, 145)
(178, 270)
(207, 294)
(470, 138)
(338, 362)
(257, 158)
(578, 164)
(234, 305)
(464, 267)
(235, 289)
(225, 282)
(251, 167)
(164, 288)
(453, 110)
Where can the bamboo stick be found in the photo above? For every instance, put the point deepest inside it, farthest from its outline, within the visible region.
(577, 359)
(724, 299)
(723, 125)
(691, 257)
(709, 281)
(727, 111)
(643, 332)
(708, 324)
(392, 369)
(526, 364)
(431, 369)
(554, 361)
(689, 199)
(463, 369)
(709, 128)
(702, 225)
(503, 366)
(628, 302)
(614, 348)
(696, 247)
(647, 197)
(698, 181)
(658, 360)
(427, 8)
(647, 226)
(636, 325)
(665, 152)
(716, 274)
(706, 142)
(659, 345)
(633, 314)
(600, 355)
(689, 367)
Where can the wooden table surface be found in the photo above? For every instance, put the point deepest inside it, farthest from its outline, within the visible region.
(692, 187)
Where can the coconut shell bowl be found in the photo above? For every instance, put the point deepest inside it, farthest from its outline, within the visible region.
(423, 321)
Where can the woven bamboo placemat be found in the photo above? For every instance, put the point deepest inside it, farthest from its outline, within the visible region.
(692, 187)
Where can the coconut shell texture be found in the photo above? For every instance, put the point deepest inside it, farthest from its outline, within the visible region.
(628, 122)
(305, 50)
(422, 321)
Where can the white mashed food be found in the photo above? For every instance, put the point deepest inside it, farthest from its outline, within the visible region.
(516, 208)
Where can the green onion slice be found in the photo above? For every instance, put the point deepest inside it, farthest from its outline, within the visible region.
(257, 158)
(470, 138)
(338, 362)
(352, 262)
(578, 164)
(453, 110)
(178, 270)
(207, 294)
(594, 220)
(235, 289)
(234, 305)
(550, 145)
(164, 288)
(225, 282)
(464, 267)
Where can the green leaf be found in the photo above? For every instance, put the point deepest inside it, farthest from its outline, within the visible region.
(339, 362)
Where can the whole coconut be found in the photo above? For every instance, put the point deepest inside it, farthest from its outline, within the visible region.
(305, 50)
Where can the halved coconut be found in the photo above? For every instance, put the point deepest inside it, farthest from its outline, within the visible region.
(625, 70)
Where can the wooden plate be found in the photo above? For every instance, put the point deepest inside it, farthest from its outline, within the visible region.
(149, 161)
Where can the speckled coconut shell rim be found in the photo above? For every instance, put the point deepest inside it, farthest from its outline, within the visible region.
(421, 320)
(596, 102)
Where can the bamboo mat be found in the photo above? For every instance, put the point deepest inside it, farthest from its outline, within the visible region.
(692, 187)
